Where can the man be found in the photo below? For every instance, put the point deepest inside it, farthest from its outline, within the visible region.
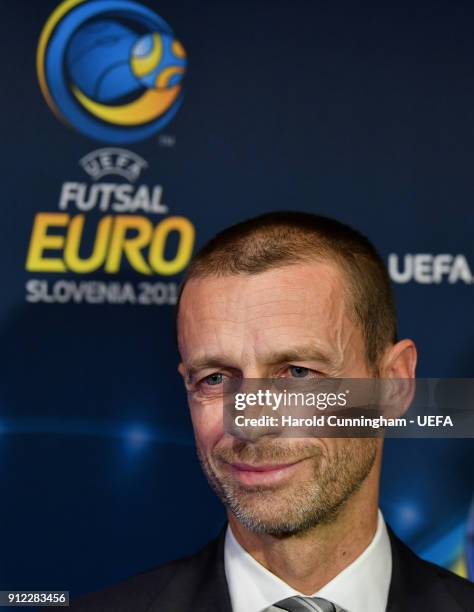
(289, 295)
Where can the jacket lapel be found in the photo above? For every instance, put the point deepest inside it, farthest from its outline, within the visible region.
(198, 584)
(214, 592)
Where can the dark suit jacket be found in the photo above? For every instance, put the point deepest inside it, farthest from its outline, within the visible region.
(198, 584)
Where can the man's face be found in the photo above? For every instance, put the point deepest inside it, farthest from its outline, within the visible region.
(291, 322)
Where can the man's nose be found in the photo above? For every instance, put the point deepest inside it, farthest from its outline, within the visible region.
(253, 433)
(249, 411)
(255, 371)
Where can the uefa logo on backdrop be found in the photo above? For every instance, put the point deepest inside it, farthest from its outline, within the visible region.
(112, 69)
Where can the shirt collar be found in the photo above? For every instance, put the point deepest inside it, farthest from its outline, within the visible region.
(361, 587)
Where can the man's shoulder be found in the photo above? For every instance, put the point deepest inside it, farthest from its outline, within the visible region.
(423, 583)
(461, 589)
(176, 585)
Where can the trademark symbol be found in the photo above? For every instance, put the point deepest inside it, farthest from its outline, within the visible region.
(165, 140)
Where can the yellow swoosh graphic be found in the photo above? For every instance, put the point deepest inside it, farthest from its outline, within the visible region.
(152, 104)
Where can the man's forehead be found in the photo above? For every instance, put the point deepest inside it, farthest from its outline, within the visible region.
(266, 314)
(290, 289)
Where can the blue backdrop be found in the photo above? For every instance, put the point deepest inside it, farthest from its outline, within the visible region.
(361, 112)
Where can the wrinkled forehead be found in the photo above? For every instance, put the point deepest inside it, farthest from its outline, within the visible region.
(301, 301)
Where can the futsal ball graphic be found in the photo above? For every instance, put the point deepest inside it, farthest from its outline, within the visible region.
(113, 70)
(158, 60)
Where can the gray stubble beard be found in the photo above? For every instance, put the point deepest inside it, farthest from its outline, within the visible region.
(291, 511)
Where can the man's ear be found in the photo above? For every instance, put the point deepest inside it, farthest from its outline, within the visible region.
(182, 371)
(398, 364)
(399, 360)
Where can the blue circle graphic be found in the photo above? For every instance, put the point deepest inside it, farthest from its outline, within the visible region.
(104, 55)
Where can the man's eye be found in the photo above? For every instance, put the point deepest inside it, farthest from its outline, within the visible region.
(298, 371)
(214, 379)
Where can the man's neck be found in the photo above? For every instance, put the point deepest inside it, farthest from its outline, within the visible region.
(307, 561)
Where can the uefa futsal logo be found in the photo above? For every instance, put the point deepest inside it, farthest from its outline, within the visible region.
(111, 68)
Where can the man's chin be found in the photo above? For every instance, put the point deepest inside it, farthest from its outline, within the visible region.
(276, 524)
(269, 510)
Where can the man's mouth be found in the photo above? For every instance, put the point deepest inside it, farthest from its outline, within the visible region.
(262, 473)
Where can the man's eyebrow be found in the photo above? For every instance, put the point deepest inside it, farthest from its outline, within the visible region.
(211, 361)
(304, 353)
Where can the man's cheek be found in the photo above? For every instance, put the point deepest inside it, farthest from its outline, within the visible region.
(208, 426)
